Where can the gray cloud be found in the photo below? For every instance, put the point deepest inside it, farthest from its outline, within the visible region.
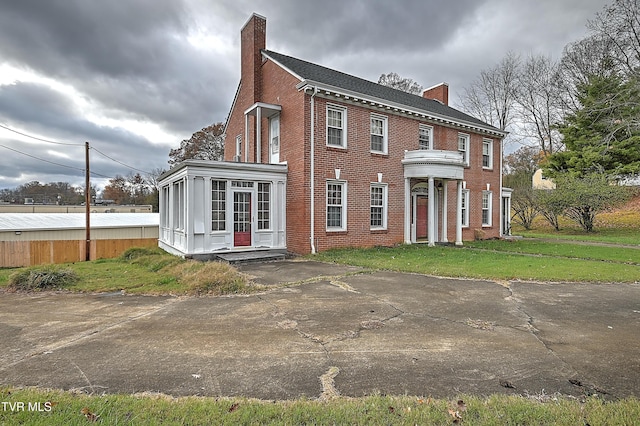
(133, 60)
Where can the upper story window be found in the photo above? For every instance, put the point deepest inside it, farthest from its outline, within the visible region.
(378, 134)
(336, 126)
(425, 137)
(463, 147)
(487, 154)
(238, 154)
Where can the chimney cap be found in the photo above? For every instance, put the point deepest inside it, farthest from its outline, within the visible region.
(254, 15)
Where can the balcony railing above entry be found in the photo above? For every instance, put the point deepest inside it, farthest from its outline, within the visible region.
(433, 163)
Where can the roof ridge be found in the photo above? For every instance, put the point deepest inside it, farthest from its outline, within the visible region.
(306, 70)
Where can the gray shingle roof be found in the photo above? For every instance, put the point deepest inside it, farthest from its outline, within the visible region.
(309, 71)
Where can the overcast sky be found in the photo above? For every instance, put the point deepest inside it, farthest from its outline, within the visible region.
(135, 77)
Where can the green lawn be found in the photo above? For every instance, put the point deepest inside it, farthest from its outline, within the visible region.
(629, 236)
(148, 271)
(68, 408)
(500, 260)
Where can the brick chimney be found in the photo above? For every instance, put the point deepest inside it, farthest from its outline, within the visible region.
(439, 92)
(253, 38)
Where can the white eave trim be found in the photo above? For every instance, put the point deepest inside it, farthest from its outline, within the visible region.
(328, 90)
(265, 54)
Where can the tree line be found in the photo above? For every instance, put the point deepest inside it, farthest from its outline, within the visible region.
(577, 118)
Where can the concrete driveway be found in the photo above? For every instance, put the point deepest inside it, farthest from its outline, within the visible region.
(336, 330)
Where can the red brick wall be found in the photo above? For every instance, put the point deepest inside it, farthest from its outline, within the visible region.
(267, 82)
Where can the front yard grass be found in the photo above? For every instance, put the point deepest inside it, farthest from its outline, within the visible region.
(71, 408)
(145, 271)
(500, 260)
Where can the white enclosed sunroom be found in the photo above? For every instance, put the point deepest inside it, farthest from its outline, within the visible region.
(210, 207)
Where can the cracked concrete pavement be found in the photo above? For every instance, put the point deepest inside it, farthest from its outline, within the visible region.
(332, 330)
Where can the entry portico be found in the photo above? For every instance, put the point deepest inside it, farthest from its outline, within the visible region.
(423, 171)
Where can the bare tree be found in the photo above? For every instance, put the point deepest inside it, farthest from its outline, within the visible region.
(539, 102)
(619, 23)
(405, 84)
(492, 96)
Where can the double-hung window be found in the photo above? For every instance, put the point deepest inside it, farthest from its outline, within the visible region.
(378, 206)
(463, 147)
(336, 126)
(378, 134)
(336, 205)
(465, 207)
(486, 208)
(425, 137)
(487, 154)
(218, 205)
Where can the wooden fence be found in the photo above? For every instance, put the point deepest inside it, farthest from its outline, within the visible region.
(28, 253)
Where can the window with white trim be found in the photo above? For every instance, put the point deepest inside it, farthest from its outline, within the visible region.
(264, 196)
(165, 206)
(378, 206)
(336, 126)
(425, 137)
(487, 154)
(486, 208)
(218, 205)
(336, 205)
(378, 134)
(178, 205)
(239, 146)
(463, 147)
(465, 207)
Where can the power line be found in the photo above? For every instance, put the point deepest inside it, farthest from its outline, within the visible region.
(52, 162)
(119, 162)
(39, 139)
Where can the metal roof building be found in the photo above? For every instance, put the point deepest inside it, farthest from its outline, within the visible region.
(37, 238)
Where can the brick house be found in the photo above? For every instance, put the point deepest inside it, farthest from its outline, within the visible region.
(315, 158)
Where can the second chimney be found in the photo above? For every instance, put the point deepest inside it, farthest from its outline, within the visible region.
(439, 92)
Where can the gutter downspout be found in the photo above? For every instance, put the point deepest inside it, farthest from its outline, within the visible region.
(312, 172)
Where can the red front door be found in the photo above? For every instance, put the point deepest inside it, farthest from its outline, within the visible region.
(241, 219)
(421, 216)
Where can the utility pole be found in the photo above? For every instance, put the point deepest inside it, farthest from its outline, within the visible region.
(87, 202)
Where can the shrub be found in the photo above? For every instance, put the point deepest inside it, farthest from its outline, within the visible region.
(42, 278)
(213, 278)
(136, 252)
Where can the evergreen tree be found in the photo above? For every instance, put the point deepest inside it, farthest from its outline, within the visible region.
(603, 136)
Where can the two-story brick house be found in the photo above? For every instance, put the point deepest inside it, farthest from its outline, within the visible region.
(316, 158)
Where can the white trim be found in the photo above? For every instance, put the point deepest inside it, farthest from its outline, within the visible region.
(385, 205)
(429, 129)
(489, 209)
(398, 108)
(464, 206)
(466, 154)
(343, 119)
(490, 143)
(385, 133)
(265, 54)
(343, 205)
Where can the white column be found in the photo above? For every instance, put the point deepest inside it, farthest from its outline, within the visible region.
(444, 238)
(407, 210)
(431, 211)
(459, 214)
(246, 138)
(258, 134)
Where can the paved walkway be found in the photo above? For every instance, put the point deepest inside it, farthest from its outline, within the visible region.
(336, 330)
